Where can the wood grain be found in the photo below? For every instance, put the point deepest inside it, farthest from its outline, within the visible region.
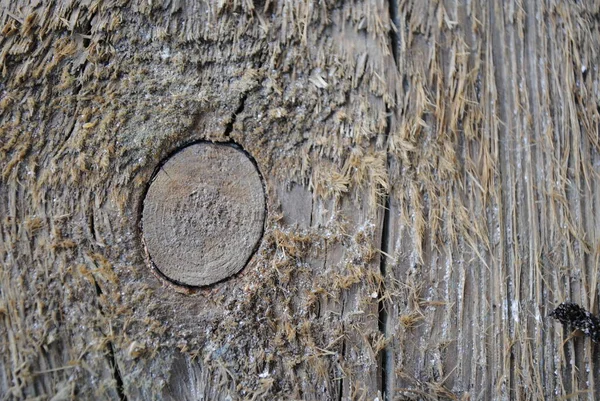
(494, 184)
(474, 123)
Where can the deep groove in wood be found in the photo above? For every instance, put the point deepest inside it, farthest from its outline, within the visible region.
(383, 314)
(240, 108)
(116, 372)
(385, 370)
(111, 354)
(92, 225)
(341, 386)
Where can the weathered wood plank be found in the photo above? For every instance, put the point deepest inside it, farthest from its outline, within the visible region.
(494, 180)
(480, 118)
(107, 91)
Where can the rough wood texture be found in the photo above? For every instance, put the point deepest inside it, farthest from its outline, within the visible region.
(495, 180)
(203, 215)
(478, 118)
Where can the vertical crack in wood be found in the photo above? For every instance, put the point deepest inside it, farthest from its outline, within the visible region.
(341, 385)
(385, 353)
(116, 372)
(111, 353)
(92, 226)
(240, 108)
(385, 357)
(343, 354)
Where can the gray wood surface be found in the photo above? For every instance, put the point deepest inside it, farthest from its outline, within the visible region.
(203, 215)
(431, 171)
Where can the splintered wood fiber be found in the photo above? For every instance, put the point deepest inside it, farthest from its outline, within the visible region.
(431, 172)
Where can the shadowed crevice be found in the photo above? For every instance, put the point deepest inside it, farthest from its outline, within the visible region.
(385, 355)
(111, 355)
(240, 109)
(116, 372)
(341, 385)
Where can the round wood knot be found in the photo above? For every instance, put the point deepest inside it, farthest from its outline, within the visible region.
(204, 214)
